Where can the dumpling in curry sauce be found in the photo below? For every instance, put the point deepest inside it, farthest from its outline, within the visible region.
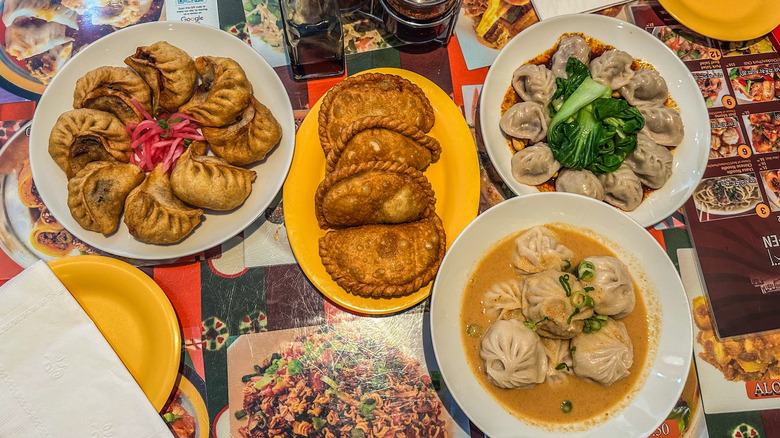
(96, 195)
(84, 135)
(222, 94)
(169, 71)
(374, 192)
(380, 138)
(153, 214)
(372, 94)
(111, 89)
(384, 260)
(249, 139)
(210, 182)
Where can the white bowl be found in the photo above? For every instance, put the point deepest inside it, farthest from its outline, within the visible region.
(665, 370)
(690, 157)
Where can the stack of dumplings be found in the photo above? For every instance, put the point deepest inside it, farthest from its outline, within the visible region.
(92, 143)
(385, 238)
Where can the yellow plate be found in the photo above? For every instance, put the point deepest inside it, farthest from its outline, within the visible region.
(134, 315)
(725, 19)
(455, 179)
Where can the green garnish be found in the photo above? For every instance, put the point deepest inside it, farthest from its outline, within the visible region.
(573, 314)
(580, 299)
(366, 408)
(566, 265)
(318, 423)
(586, 270)
(532, 325)
(564, 280)
(566, 406)
(239, 414)
(170, 417)
(562, 366)
(594, 324)
(474, 330)
(294, 367)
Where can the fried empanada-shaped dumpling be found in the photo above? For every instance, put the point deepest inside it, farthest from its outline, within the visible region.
(81, 136)
(249, 139)
(111, 89)
(372, 94)
(210, 182)
(222, 94)
(380, 138)
(97, 193)
(375, 192)
(384, 260)
(153, 214)
(168, 70)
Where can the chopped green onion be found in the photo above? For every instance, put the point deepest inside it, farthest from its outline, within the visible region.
(566, 265)
(586, 270)
(474, 330)
(580, 299)
(589, 289)
(564, 280)
(532, 325)
(576, 311)
(566, 406)
(561, 366)
(170, 417)
(594, 323)
(573, 349)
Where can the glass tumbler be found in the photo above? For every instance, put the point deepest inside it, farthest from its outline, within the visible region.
(314, 38)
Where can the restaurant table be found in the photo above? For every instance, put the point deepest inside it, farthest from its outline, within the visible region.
(252, 284)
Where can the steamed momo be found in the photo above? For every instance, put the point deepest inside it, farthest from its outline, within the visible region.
(613, 287)
(513, 354)
(612, 69)
(538, 249)
(582, 182)
(647, 86)
(558, 352)
(651, 162)
(622, 188)
(534, 83)
(605, 356)
(545, 303)
(528, 120)
(662, 124)
(572, 46)
(534, 164)
(504, 300)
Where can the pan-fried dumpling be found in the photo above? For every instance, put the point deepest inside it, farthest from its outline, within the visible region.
(528, 120)
(84, 135)
(222, 94)
(613, 287)
(503, 300)
(247, 140)
(546, 305)
(96, 195)
(651, 162)
(46, 10)
(45, 66)
(534, 165)
(571, 46)
(612, 69)
(153, 214)
(622, 188)
(210, 182)
(647, 86)
(384, 260)
(375, 192)
(534, 83)
(662, 124)
(582, 182)
(381, 138)
(111, 89)
(514, 355)
(605, 356)
(558, 352)
(538, 249)
(120, 13)
(50, 238)
(169, 71)
(27, 38)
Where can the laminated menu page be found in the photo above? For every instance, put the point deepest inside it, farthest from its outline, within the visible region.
(734, 213)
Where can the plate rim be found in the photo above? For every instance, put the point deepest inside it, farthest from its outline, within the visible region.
(284, 149)
(697, 128)
(677, 9)
(68, 267)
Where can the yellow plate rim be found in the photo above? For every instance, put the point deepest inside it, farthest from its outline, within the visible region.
(308, 169)
(725, 28)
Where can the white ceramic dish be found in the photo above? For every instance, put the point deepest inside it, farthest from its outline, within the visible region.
(690, 158)
(196, 40)
(666, 371)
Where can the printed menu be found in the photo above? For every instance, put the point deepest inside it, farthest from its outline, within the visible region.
(734, 213)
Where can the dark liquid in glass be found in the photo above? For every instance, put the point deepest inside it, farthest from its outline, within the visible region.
(316, 50)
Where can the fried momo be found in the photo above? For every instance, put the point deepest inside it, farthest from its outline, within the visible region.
(210, 182)
(81, 136)
(111, 89)
(222, 94)
(169, 71)
(374, 192)
(380, 138)
(96, 195)
(384, 260)
(372, 94)
(247, 140)
(153, 214)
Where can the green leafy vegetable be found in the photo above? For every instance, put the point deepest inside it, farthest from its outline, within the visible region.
(294, 367)
(170, 417)
(366, 408)
(318, 423)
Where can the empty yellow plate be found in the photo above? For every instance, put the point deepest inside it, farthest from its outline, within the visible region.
(726, 19)
(455, 179)
(134, 315)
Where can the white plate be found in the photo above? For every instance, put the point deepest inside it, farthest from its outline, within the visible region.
(666, 370)
(196, 40)
(690, 158)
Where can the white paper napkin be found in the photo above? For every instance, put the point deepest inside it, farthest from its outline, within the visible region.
(59, 377)
(552, 8)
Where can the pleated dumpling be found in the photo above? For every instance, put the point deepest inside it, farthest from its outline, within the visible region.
(111, 89)
(247, 140)
(81, 136)
(605, 356)
(381, 138)
(169, 71)
(513, 354)
(153, 214)
(96, 195)
(374, 192)
(222, 94)
(50, 238)
(384, 260)
(210, 182)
